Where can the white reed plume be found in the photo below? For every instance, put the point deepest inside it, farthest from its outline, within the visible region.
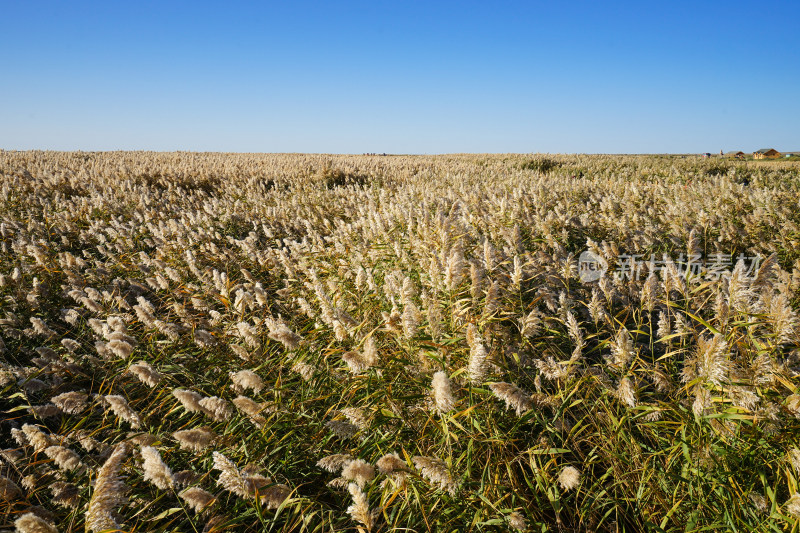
(246, 379)
(622, 351)
(65, 458)
(145, 373)
(569, 478)
(709, 362)
(513, 396)
(435, 471)
(358, 471)
(30, 523)
(71, 403)
(334, 463)
(120, 407)
(196, 439)
(442, 393)
(217, 408)
(65, 494)
(36, 437)
(108, 494)
(359, 510)
(190, 400)
(197, 499)
(155, 470)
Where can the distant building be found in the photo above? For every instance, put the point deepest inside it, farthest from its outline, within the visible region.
(735, 155)
(766, 153)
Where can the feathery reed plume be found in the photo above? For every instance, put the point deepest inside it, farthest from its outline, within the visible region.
(793, 505)
(793, 404)
(650, 292)
(334, 463)
(391, 463)
(109, 492)
(664, 326)
(492, 302)
(740, 295)
(550, 368)
(71, 345)
(230, 478)
(410, 320)
(71, 403)
(41, 328)
(709, 362)
(120, 407)
(356, 362)
(204, 339)
(626, 392)
(9, 491)
(252, 409)
(359, 472)
(241, 351)
(517, 521)
(370, 351)
(246, 483)
(569, 478)
(305, 370)
(575, 333)
(765, 270)
(30, 523)
(217, 408)
(155, 470)
(65, 494)
(342, 428)
(531, 323)
(622, 351)
(359, 510)
(793, 456)
(12, 457)
(661, 379)
(38, 439)
(783, 319)
(442, 393)
(120, 348)
(477, 363)
(246, 379)
(184, 478)
(197, 499)
(196, 439)
(514, 397)
(273, 496)
(88, 443)
(45, 411)
(694, 247)
(435, 471)
(190, 400)
(145, 373)
(65, 458)
(357, 416)
(249, 334)
(596, 309)
(278, 331)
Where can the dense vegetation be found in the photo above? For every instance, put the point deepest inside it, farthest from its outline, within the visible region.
(209, 342)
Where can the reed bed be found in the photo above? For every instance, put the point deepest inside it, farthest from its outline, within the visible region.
(248, 342)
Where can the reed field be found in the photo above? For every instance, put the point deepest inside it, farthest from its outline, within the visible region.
(244, 342)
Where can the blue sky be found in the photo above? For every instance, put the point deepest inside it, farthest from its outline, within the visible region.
(400, 77)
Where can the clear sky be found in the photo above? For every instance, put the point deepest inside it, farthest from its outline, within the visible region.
(400, 77)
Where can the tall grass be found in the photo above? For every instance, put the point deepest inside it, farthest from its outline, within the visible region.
(243, 342)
